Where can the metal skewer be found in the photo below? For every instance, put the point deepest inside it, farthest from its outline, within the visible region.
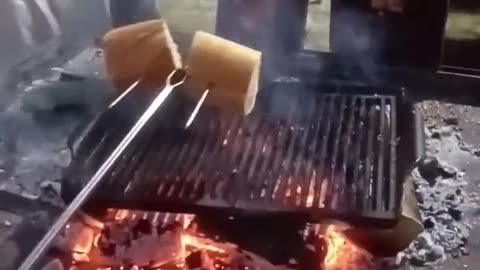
(175, 79)
(196, 109)
(126, 92)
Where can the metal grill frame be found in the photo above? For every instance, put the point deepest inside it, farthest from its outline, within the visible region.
(383, 218)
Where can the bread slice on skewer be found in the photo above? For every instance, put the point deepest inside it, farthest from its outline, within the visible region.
(144, 50)
(229, 70)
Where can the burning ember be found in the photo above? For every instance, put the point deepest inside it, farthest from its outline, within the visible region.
(139, 240)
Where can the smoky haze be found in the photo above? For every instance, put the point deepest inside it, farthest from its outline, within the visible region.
(40, 34)
(37, 35)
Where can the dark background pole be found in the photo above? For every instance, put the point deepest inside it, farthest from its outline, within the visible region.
(126, 12)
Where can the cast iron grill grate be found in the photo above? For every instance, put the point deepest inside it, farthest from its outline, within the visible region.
(332, 157)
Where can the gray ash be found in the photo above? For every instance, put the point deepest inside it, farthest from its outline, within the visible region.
(443, 200)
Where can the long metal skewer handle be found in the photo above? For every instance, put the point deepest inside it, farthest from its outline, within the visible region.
(175, 79)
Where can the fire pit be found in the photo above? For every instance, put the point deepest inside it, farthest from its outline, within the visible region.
(260, 192)
(127, 239)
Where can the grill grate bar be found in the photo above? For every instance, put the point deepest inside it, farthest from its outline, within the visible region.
(200, 182)
(165, 183)
(229, 159)
(137, 176)
(171, 158)
(226, 174)
(368, 202)
(252, 185)
(253, 163)
(319, 198)
(194, 176)
(96, 135)
(124, 183)
(185, 165)
(381, 140)
(260, 184)
(237, 183)
(393, 157)
(298, 144)
(346, 153)
(271, 181)
(332, 183)
(155, 161)
(358, 161)
(211, 168)
(299, 182)
(281, 176)
(307, 198)
(99, 151)
(189, 173)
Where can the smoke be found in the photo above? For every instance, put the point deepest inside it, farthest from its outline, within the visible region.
(30, 14)
(24, 21)
(33, 140)
(53, 24)
(40, 34)
(359, 39)
(352, 36)
(278, 30)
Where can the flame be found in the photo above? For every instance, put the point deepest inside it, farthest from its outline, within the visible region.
(310, 200)
(340, 251)
(121, 215)
(195, 242)
(199, 243)
(187, 220)
(335, 243)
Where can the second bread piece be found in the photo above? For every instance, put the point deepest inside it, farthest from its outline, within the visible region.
(231, 72)
(143, 51)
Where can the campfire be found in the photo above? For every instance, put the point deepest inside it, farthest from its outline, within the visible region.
(126, 239)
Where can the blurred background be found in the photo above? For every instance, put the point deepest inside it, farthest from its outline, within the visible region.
(42, 33)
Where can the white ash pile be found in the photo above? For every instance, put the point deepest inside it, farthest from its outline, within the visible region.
(443, 199)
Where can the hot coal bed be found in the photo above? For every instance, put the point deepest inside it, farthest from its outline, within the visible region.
(269, 191)
(140, 240)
